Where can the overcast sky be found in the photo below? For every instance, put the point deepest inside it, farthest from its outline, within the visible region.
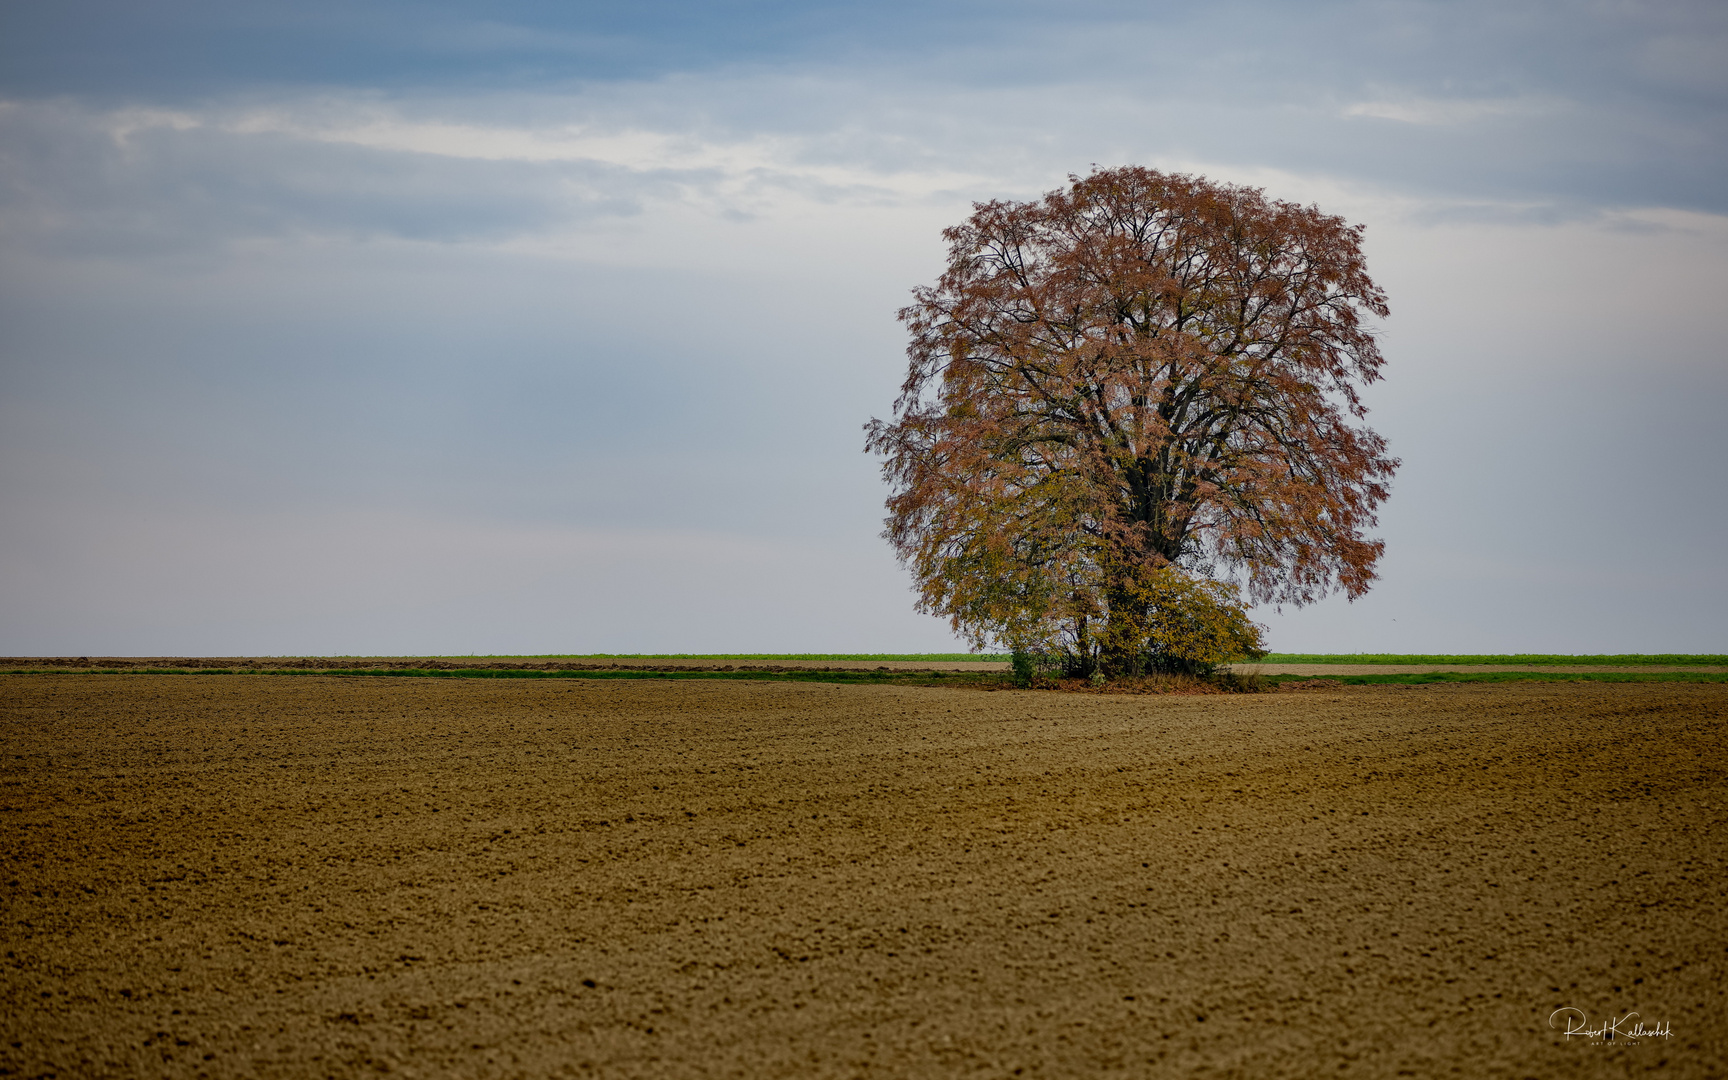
(528, 327)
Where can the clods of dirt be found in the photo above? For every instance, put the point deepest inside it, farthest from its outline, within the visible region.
(258, 876)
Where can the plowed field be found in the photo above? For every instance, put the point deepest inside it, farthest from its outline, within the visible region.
(306, 876)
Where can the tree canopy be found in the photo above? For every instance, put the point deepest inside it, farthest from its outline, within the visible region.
(1139, 375)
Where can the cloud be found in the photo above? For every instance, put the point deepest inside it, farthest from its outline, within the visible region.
(148, 180)
(1534, 112)
(1561, 105)
(1449, 112)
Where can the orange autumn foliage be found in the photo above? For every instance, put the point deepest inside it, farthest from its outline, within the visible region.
(1137, 375)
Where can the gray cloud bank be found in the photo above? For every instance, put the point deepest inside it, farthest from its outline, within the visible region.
(1537, 111)
(1552, 103)
(78, 181)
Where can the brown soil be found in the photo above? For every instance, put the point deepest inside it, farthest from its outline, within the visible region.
(297, 877)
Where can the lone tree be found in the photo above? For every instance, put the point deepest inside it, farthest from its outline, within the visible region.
(1125, 398)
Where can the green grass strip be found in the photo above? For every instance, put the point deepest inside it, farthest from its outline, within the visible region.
(927, 658)
(912, 678)
(1429, 677)
(899, 678)
(1522, 659)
